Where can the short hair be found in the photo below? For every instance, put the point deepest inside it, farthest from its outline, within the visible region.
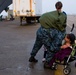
(58, 5)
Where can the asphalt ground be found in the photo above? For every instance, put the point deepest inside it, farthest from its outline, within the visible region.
(16, 43)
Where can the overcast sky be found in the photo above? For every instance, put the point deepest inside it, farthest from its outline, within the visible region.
(69, 6)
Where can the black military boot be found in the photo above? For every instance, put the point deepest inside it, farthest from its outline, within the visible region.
(32, 59)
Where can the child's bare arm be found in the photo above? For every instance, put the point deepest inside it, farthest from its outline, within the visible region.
(65, 46)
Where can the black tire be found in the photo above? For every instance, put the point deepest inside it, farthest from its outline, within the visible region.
(66, 70)
(55, 66)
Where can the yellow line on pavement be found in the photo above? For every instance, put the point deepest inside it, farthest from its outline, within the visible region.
(59, 70)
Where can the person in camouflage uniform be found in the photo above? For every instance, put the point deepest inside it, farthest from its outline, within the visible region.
(51, 33)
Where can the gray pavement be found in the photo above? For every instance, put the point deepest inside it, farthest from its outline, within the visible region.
(16, 43)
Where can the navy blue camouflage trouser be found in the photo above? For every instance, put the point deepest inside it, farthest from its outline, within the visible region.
(51, 39)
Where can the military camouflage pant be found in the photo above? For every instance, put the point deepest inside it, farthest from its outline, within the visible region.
(50, 38)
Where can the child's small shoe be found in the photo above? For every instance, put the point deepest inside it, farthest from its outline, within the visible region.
(43, 60)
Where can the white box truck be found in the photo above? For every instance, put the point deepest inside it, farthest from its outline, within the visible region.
(25, 9)
(32, 9)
